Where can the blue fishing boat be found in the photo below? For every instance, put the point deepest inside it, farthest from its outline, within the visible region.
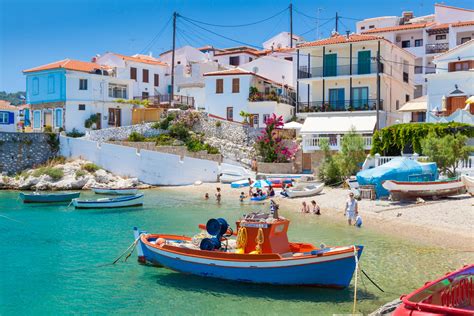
(123, 201)
(259, 253)
(40, 197)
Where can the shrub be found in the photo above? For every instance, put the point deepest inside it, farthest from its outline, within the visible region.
(218, 124)
(352, 153)
(329, 171)
(75, 133)
(48, 129)
(195, 144)
(163, 140)
(164, 124)
(136, 137)
(179, 131)
(80, 173)
(54, 173)
(59, 160)
(90, 167)
(93, 119)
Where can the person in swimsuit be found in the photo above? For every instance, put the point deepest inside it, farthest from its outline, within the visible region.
(351, 209)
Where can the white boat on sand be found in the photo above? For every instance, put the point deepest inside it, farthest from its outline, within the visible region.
(305, 190)
(117, 191)
(469, 183)
(413, 190)
(115, 202)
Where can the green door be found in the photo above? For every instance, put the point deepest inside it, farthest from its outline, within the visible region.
(336, 99)
(363, 64)
(330, 65)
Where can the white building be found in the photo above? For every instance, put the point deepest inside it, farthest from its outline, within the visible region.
(425, 36)
(282, 40)
(452, 85)
(66, 93)
(273, 68)
(229, 92)
(9, 117)
(150, 76)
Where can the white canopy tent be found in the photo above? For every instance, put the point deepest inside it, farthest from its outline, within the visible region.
(363, 124)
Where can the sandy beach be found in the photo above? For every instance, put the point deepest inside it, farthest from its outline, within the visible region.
(445, 223)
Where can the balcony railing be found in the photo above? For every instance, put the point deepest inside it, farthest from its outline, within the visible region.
(339, 106)
(437, 48)
(163, 100)
(345, 70)
(258, 97)
(311, 143)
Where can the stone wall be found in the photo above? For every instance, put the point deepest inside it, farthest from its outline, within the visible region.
(21, 151)
(175, 150)
(234, 140)
(120, 133)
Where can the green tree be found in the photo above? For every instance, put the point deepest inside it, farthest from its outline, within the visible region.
(446, 151)
(329, 170)
(352, 153)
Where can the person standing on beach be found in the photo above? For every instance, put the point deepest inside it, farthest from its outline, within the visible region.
(218, 195)
(351, 209)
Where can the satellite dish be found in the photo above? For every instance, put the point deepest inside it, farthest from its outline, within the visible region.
(255, 69)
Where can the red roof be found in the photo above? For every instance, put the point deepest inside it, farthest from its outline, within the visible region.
(340, 39)
(238, 50)
(69, 64)
(399, 28)
(463, 23)
(142, 59)
(5, 105)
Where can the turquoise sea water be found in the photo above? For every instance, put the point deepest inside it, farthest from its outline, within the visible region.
(50, 258)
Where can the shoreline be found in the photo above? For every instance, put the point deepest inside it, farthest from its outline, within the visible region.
(430, 224)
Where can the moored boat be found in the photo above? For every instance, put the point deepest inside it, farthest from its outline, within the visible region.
(40, 197)
(123, 201)
(415, 189)
(240, 184)
(452, 294)
(305, 190)
(112, 191)
(231, 176)
(260, 253)
(469, 183)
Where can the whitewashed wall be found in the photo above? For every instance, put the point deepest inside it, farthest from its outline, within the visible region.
(148, 166)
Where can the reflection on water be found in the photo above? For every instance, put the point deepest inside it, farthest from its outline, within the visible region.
(56, 254)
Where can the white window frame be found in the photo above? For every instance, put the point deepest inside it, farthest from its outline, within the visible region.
(4, 117)
(34, 119)
(83, 87)
(56, 116)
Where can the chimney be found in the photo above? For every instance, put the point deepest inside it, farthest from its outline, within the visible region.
(347, 34)
(407, 16)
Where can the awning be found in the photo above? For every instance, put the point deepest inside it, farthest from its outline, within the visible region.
(339, 124)
(292, 125)
(416, 105)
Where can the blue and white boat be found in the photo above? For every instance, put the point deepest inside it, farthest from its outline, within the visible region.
(40, 197)
(260, 253)
(116, 202)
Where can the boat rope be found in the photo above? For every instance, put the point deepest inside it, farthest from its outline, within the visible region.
(11, 219)
(355, 280)
(259, 240)
(127, 252)
(372, 281)
(241, 238)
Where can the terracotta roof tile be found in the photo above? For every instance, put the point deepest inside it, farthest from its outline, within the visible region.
(463, 23)
(69, 64)
(440, 26)
(340, 39)
(5, 105)
(142, 59)
(238, 50)
(399, 28)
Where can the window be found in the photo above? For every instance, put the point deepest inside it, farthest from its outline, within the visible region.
(405, 77)
(371, 26)
(50, 84)
(37, 119)
(133, 73)
(250, 59)
(460, 66)
(397, 104)
(407, 97)
(145, 95)
(230, 113)
(234, 60)
(405, 44)
(145, 75)
(336, 99)
(440, 37)
(362, 27)
(35, 88)
(289, 58)
(117, 90)
(82, 84)
(330, 65)
(156, 80)
(235, 85)
(360, 98)
(81, 107)
(58, 118)
(3, 117)
(265, 118)
(418, 42)
(465, 39)
(219, 85)
(255, 120)
(418, 69)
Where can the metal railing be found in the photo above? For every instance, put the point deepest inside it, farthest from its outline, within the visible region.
(164, 100)
(311, 143)
(437, 48)
(258, 97)
(344, 70)
(339, 106)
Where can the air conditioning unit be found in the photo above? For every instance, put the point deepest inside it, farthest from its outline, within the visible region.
(398, 39)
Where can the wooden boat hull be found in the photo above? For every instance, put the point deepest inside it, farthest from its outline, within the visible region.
(452, 294)
(295, 192)
(412, 190)
(327, 270)
(49, 197)
(124, 201)
(469, 183)
(109, 191)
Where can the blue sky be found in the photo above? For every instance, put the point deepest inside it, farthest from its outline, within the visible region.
(36, 32)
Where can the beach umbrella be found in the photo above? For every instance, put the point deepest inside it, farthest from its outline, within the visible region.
(261, 184)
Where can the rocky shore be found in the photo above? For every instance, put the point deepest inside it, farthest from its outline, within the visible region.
(67, 175)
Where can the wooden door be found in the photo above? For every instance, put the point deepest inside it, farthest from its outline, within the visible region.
(99, 121)
(118, 117)
(48, 119)
(111, 120)
(306, 164)
(456, 103)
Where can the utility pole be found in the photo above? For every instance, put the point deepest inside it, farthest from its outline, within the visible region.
(317, 22)
(337, 22)
(291, 25)
(377, 124)
(172, 58)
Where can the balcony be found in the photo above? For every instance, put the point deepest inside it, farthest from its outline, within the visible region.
(312, 143)
(437, 48)
(163, 100)
(259, 97)
(339, 106)
(345, 70)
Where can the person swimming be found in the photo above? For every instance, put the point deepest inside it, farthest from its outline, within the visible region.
(206, 196)
(242, 196)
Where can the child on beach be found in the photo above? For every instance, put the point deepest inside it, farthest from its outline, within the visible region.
(316, 208)
(242, 196)
(358, 221)
(271, 192)
(218, 195)
(304, 207)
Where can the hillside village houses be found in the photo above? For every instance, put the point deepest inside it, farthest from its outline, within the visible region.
(424, 36)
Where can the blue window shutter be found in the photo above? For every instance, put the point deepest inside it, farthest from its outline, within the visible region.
(11, 118)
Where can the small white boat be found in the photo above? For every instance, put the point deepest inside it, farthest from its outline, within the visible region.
(240, 184)
(413, 190)
(232, 176)
(306, 190)
(469, 183)
(119, 191)
(116, 202)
